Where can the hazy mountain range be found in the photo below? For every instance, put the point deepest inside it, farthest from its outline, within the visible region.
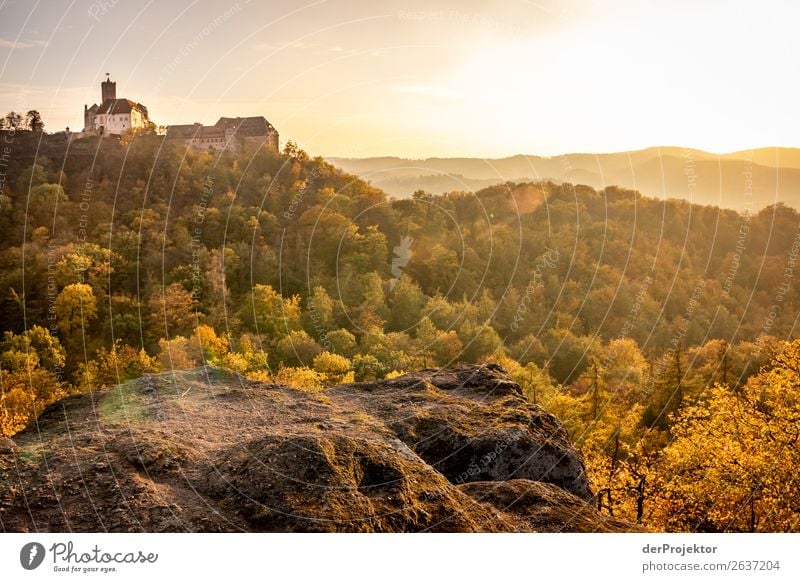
(744, 180)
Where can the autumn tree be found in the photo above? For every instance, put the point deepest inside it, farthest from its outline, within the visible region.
(333, 368)
(44, 201)
(368, 368)
(732, 463)
(441, 348)
(266, 312)
(340, 341)
(214, 347)
(407, 301)
(75, 309)
(568, 354)
(31, 368)
(479, 341)
(171, 312)
(297, 349)
(250, 358)
(115, 366)
(318, 314)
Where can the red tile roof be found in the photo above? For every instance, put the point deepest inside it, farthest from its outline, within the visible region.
(120, 106)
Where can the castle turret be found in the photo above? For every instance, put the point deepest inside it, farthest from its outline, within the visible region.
(109, 89)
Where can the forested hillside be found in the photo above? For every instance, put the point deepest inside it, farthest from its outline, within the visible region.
(652, 328)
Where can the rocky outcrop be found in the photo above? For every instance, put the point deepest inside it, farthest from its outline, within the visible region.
(542, 507)
(206, 450)
(472, 424)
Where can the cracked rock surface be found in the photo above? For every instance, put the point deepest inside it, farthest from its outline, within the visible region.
(454, 450)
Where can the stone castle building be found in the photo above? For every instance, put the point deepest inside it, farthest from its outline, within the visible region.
(114, 116)
(229, 133)
(117, 116)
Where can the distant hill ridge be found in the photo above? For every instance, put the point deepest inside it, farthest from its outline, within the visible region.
(743, 180)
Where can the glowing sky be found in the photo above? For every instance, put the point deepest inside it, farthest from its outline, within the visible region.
(422, 78)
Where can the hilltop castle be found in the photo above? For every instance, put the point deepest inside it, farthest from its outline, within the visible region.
(118, 116)
(114, 116)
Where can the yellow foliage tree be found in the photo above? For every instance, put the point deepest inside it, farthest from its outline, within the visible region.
(31, 364)
(303, 378)
(115, 366)
(214, 348)
(333, 368)
(732, 465)
(75, 307)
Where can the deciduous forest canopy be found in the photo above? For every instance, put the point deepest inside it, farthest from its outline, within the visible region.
(658, 331)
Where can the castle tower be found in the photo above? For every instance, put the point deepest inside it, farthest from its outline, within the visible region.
(109, 89)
